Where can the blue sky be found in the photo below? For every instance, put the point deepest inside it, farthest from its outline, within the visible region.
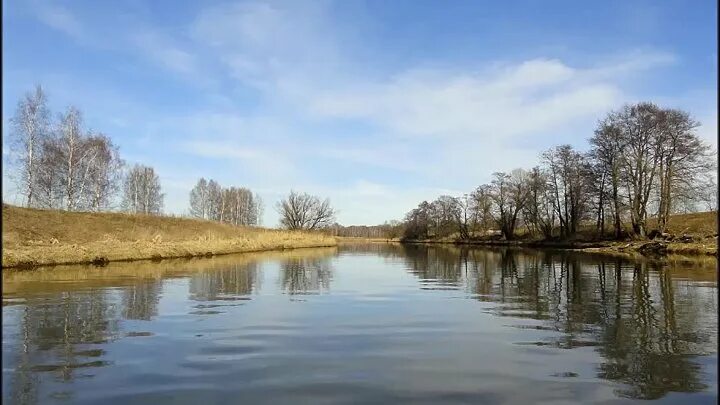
(377, 105)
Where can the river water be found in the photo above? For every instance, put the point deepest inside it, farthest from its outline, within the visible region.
(364, 323)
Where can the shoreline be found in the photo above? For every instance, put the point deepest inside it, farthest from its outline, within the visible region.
(171, 253)
(647, 248)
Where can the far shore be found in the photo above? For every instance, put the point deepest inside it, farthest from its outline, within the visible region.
(623, 247)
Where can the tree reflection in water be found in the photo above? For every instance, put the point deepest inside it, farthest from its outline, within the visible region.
(630, 312)
(234, 282)
(57, 336)
(302, 275)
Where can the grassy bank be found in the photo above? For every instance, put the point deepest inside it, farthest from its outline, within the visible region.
(686, 234)
(32, 237)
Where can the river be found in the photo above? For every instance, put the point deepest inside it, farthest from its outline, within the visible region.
(364, 323)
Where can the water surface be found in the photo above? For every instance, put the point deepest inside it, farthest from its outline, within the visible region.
(373, 323)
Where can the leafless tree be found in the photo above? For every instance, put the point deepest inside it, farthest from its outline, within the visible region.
(215, 199)
(640, 125)
(483, 205)
(417, 222)
(233, 205)
(76, 156)
(102, 173)
(568, 175)
(30, 127)
(444, 214)
(48, 187)
(683, 159)
(539, 212)
(305, 211)
(259, 210)
(607, 152)
(465, 213)
(141, 191)
(199, 201)
(510, 194)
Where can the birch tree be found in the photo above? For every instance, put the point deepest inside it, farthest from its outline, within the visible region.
(199, 199)
(142, 192)
(102, 173)
(30, 127)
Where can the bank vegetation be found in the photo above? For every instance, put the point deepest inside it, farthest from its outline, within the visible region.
(34, 237)
(644, 165)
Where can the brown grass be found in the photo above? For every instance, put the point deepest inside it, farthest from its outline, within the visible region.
(699, 224)
(49, 237)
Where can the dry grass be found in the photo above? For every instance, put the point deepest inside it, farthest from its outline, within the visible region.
(49, 237)
(699, 224)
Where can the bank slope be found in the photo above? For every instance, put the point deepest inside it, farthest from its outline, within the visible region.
(33, 237)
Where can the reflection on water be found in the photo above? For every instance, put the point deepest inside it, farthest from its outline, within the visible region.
(304, 275)
(381, 322)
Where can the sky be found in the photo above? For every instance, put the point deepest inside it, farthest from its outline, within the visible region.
(376, 105)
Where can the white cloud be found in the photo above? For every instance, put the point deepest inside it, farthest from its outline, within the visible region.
(533, 96)
(61, 19)
(164, 52)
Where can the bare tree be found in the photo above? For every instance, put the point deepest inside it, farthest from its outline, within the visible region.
(102, 173)
(215, 200)
(539, 212)
(48, 187)
(73, 153)
(305, 211)
(233, 205)
(444, 212)
(607, 153)
(259, 210)
(199, 201)
(465, 213)
(30, 127)
(483, 205)
(417, 222)
(683, 159)
(568, 175)
(641, 125)
(141, 191)
(510, 194)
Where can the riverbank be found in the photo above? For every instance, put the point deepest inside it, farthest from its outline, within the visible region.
(646, 248)
(33, 237)
(692, 234)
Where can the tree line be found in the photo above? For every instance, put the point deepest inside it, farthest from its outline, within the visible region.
(389, 230)
(233, 205)
(644, 161)
(59, 164)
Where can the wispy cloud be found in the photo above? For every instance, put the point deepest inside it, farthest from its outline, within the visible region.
(61, 19)
(163, 52)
